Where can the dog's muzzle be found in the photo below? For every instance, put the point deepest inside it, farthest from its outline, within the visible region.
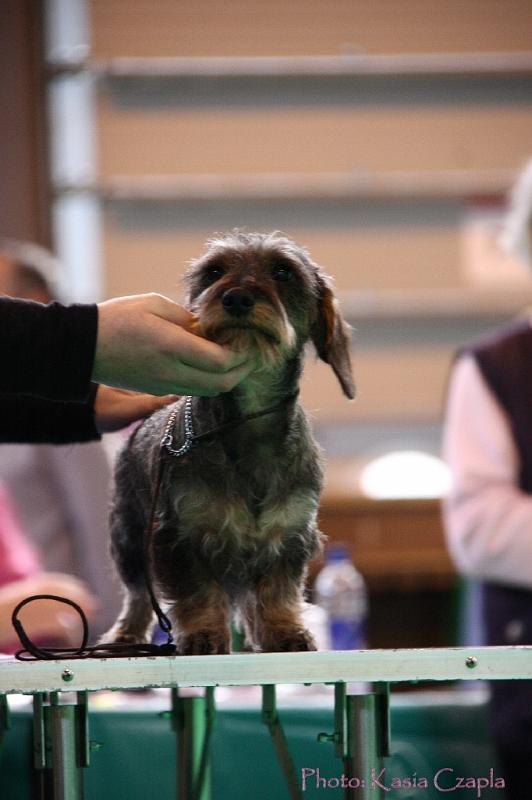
(238, 302)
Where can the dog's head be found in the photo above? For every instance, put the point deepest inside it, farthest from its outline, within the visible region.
(264, 291)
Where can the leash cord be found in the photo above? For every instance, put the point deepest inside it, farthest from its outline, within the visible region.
(33, 652)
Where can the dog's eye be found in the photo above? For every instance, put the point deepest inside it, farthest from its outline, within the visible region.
(213, 273)
(282, 272)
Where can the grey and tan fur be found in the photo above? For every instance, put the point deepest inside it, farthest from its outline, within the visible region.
(236, 518)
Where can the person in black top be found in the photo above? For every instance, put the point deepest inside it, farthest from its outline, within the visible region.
(52, 358)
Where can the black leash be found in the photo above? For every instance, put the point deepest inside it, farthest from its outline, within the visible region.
(32, 652)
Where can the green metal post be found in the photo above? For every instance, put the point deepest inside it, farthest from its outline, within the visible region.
(61, 746)
(41, 749)
(367, 745)
(4, 716)
(340, 723)
(361, 739)
(193, 718)
(271, 719)
(68, 778)
(339, 736)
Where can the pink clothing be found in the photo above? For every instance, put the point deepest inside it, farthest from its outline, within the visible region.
(18, 559)
(60, 494)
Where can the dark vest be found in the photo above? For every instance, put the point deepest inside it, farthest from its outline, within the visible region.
(505, 361)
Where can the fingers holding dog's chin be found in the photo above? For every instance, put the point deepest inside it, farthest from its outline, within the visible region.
(230, 347)
(203, 352)
(245, 352)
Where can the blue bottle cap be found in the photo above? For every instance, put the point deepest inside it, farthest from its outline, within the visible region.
(338, 552)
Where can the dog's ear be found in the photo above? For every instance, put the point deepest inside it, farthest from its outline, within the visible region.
(331, 336)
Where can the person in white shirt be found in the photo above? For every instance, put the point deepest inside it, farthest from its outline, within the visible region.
(488, 511)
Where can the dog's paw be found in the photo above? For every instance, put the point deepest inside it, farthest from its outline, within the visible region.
(203, 643)
(289, 642)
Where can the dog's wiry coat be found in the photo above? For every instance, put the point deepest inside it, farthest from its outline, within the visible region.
(236, 517)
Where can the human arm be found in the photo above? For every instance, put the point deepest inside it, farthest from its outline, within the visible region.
(46, 351)
(139, 342)
(488, 518)
(34, 419)
(28, 419)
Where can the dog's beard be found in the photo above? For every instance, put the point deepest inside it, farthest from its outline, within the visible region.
(270, 339)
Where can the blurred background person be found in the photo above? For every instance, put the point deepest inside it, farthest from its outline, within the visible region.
(21, 575)
(488, 511)
(61, 493)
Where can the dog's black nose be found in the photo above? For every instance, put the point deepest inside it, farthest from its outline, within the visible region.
(238, 301)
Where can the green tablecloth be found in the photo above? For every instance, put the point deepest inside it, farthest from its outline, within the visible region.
(137, 759)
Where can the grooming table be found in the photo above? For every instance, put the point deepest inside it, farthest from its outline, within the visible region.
(361, 721)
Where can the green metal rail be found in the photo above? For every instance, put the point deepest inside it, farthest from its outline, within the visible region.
(361, 732)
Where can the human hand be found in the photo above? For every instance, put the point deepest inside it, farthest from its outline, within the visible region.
(143, 344)
(46, 618)
(116, 408)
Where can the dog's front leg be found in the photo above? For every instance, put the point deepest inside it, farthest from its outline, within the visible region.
(201, 621)
(277, 610)
(135, 621)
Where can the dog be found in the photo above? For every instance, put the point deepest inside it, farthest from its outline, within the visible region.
(235, 524)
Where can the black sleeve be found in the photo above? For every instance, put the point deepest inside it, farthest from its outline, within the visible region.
(40, 421)
(47, 351)
(46, 360)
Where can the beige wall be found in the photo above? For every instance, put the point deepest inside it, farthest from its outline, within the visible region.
(255, 27)
(148, 135)
(309, 140)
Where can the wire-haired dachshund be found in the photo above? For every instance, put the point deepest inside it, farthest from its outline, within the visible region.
(235, 522)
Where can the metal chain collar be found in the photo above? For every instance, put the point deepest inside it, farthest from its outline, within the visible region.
(167, 439)
(191, 439)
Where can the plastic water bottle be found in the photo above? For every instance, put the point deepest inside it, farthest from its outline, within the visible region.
(341, 591)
